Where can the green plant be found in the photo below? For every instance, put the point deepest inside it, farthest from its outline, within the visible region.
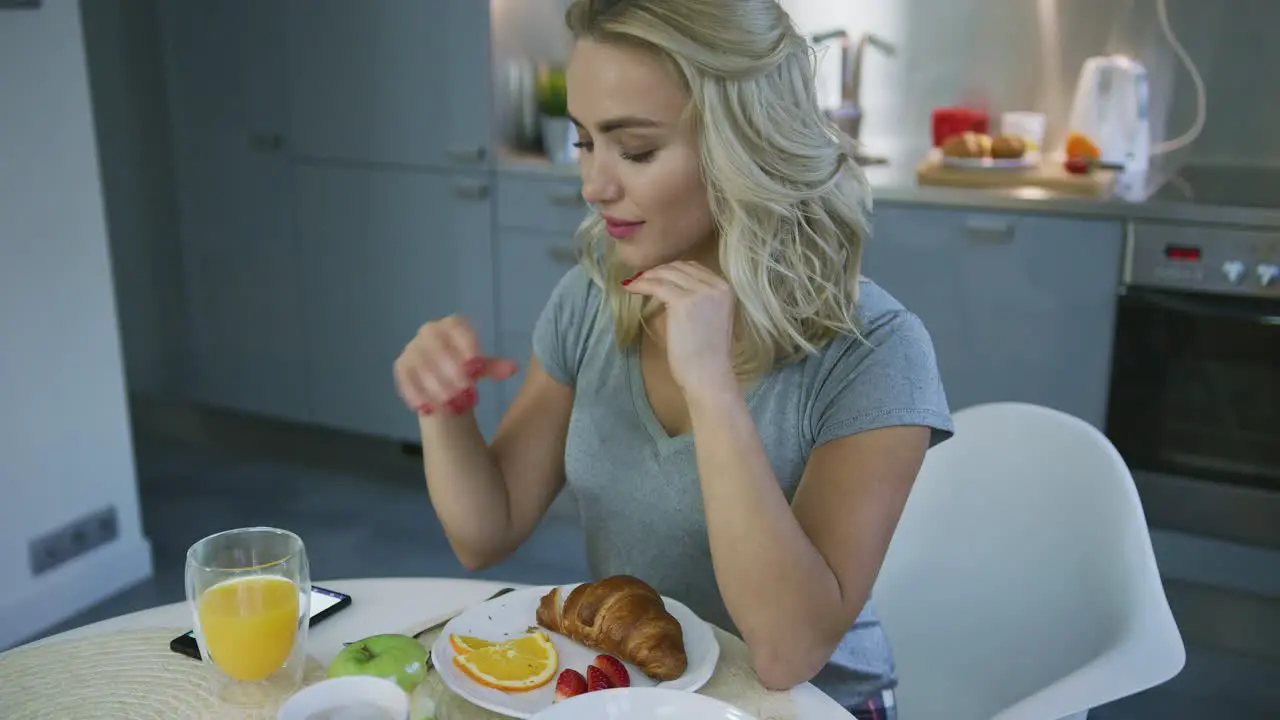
(552, 97)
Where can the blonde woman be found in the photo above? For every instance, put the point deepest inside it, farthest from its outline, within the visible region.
(738, 413)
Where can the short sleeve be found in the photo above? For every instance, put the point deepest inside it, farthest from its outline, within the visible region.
(889, 379)
(560, 334)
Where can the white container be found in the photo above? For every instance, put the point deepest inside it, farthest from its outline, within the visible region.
(1111, 108)
(639, 703)
(558, 137)
(1030, 126)
(362, 697)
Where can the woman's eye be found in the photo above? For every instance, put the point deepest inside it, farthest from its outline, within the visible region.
(584, 145)
(640, 157)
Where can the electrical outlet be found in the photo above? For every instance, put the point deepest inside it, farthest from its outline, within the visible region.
(72, 540)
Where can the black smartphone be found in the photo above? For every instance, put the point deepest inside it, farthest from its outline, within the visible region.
(324, 602)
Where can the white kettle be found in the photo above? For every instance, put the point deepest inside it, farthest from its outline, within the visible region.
(1112, 109)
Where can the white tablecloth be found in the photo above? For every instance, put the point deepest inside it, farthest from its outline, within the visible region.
(394, 605)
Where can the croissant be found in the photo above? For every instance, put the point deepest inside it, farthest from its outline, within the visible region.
(622, 616)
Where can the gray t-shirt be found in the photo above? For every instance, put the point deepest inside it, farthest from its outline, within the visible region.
(637, 488)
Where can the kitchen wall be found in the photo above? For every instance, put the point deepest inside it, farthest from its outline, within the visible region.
(1014, 54)
(1020, 54)
(65, 449)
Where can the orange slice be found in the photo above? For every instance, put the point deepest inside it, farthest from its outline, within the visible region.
(1080, 146)
(525, 663)
(463, 644)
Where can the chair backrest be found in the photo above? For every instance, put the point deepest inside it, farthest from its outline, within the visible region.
(1023, 565)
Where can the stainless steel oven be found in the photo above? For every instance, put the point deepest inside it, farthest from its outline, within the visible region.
(1195, 388)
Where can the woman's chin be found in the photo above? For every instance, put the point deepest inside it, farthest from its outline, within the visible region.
(641, 256)
(635, 257)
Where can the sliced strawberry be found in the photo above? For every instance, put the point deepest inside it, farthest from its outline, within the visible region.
(570, 683)
(596, 679)
(613, 669)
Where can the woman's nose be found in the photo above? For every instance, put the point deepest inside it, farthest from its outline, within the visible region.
(598, 184)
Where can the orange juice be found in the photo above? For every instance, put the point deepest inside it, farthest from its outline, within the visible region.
(249, 624)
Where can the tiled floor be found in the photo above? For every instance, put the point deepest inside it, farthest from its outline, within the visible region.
(362, 508)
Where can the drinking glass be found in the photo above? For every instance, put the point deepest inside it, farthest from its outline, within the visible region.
(250, 593)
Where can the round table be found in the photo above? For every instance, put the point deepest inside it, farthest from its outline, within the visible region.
(394, 605)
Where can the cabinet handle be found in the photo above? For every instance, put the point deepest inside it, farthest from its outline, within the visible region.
(469, 156)
(566, 199)
(471, 191)
(563, 255)
(991, 230)
(267, 142)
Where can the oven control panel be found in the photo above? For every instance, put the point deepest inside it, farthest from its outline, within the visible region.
(1203, 258)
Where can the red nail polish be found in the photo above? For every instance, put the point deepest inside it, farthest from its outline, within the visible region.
(474, 367)
(463, 401)
(632, 279)
(425, 409)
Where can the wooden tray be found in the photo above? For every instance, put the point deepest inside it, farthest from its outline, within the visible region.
(1049, 176)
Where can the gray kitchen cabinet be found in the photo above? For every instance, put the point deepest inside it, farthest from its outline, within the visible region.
(383, 251)
(242, 303)
(1020, 306)
(537, 216)
(404, 82)
(550, 203)
(530, 263)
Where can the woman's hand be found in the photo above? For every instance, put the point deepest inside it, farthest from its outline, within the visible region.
(699, 323)
(438, 369)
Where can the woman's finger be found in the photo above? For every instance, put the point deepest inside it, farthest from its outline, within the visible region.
(408, 387)
(697, 273)
(461, 335)
(457, 360)
(674, 275)
(435, 381)
(498, 368)
(656, 283)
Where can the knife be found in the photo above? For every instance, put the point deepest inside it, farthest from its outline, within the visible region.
(418, 635)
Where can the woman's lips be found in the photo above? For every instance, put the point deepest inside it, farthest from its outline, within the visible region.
(619, 229)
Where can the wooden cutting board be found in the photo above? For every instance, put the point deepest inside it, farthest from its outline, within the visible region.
(1049, 176)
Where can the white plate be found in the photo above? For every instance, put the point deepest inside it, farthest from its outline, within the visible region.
(513, 614)
(1030, 159)
(642, 704)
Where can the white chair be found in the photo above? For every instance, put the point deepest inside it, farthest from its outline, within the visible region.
(1021, 584)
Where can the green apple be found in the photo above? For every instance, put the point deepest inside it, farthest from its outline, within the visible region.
(399, 658)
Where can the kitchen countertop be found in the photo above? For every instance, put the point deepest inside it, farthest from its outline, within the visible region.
(1215, 195)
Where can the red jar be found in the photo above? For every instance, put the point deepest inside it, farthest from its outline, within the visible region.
(950, 121)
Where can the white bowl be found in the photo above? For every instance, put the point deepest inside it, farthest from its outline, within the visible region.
(641, 703)
(370, 694)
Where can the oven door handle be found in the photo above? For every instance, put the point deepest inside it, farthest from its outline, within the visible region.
(1204, 306)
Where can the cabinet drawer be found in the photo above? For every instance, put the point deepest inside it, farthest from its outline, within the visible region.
(1020, 306)
(535, 203)
(530, 263)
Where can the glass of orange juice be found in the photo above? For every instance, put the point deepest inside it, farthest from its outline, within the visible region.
(250, 592)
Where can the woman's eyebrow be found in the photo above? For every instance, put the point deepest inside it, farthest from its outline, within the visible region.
(625, 122)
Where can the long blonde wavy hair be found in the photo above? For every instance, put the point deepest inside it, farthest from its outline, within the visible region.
(790, 206)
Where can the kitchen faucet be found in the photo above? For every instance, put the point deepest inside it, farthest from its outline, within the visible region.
(848, 116)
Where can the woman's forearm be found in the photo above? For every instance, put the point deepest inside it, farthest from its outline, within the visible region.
(777, 587)
(467, 489)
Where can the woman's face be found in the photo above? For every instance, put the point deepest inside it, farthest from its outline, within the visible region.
(640, 164)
